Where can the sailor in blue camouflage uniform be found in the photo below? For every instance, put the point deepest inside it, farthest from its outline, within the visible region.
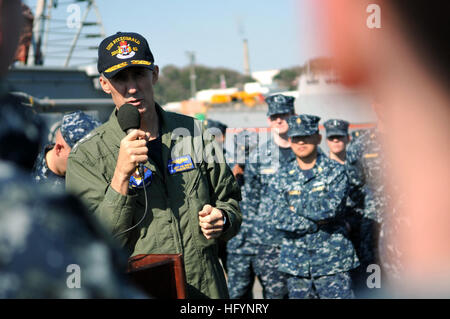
(239, 145)
(240, 253)
(43, 232)
(219, 130)
(260, 239)
(337, 139)
(216, 128)
(316, 254)
(50, 166)
(355, 134)
(367, 167)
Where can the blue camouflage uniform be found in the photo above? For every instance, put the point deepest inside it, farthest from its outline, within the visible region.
(354, 206)
(217, 129)
(316, 253)
(338, 127)
(259, 243)
(367, 168)
(240, 254)
(74, 126)
(42, 174)
(238, 148)
(355, 134)
(45, 235)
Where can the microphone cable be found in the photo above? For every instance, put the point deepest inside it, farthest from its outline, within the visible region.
(141, 172)
(129, 119)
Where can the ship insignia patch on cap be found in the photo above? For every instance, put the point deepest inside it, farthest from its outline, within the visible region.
(125, 51)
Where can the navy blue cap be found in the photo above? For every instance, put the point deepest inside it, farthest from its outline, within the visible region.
(335, 127)
(123, 50)
(279, 104)
(215, 124)
(303, 125)
(76, 125)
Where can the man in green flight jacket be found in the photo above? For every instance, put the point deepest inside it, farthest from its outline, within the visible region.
(191, 197)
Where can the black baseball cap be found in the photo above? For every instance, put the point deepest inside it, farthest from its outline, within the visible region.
(123, 50)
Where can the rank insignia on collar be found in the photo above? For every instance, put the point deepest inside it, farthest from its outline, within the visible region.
(180, 164)
(318, 189)
(268, 170)
(371, 155)
(136, 180)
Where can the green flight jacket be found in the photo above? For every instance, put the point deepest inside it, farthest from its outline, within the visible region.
(174, 200)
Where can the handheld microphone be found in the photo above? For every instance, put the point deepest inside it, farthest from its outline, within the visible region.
(129, 119)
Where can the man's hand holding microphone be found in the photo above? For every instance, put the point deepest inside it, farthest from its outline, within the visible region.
(133, 148)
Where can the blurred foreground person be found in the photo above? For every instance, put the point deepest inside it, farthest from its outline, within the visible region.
(49, 246)
(398, 50)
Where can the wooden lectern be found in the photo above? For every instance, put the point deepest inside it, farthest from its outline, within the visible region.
(159, 275)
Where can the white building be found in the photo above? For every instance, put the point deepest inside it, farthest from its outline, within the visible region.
(265, 78)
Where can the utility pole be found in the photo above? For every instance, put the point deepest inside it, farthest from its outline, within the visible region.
(191, 56)
(34, 55)
(246, 59)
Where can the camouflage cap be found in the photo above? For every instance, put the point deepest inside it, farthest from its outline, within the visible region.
(76, 125)
(335, 127)
(279, 104)
(303, 125)
(215, 124)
